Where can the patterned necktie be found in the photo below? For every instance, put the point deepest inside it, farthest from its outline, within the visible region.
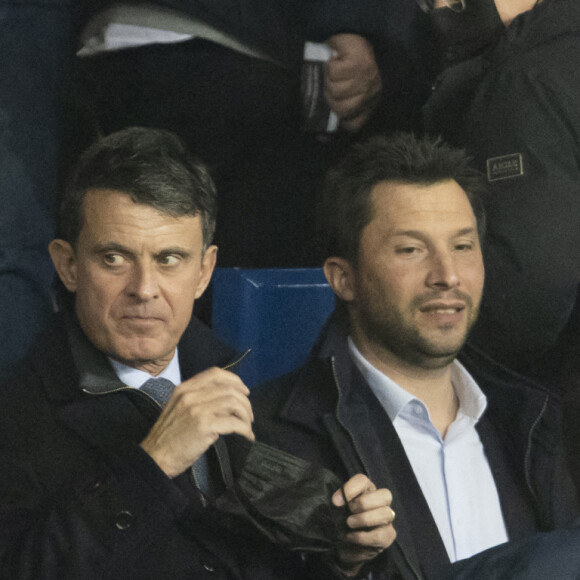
(160, 390)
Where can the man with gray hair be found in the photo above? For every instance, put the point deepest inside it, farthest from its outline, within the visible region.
(111, 447)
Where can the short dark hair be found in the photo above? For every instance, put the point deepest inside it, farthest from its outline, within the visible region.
(153, 167)
(403, 158)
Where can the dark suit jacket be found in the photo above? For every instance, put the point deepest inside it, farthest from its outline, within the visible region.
(326, 412)
(79, 498)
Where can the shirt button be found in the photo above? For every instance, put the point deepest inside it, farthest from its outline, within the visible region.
(124, 520)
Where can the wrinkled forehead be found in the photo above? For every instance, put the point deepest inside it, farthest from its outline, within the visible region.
(112, 216)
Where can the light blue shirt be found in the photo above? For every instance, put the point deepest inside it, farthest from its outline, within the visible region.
(453, 473)
(135, 378)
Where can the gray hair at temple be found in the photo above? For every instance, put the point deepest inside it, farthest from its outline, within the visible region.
(153, 167)
(403, 158)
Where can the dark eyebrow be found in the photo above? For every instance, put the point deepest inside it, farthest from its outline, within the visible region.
(410, 233)
(421, 235)
(465, 231)
(111, 247)
(176, 251)
(119, 248)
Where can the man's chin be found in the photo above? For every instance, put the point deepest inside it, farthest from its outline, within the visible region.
(442, 355)
(436, 361)
(142, 354)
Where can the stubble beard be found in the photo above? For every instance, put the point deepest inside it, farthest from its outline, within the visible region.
(390, 330)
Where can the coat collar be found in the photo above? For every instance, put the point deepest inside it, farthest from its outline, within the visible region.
(525, 408)
(65, 359)
(520, 404)
(75, 375)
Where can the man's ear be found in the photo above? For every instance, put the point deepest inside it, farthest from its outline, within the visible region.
(340, 275)
(65, 262)
(207, 266)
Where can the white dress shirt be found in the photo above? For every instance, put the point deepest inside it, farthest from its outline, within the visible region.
(133, 377)
(453, 473)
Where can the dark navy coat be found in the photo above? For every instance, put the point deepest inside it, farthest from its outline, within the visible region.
(79, 498)
(326, 412)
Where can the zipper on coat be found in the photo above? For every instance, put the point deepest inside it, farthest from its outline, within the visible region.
(237, 361)
(527, 460)
(128, 389)
(415, 572)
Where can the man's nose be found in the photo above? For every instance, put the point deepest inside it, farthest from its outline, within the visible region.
(443, 270)
(143, 283)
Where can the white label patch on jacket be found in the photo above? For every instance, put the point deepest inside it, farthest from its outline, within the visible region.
(505, 167)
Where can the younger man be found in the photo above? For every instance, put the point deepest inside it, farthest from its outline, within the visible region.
(469, 451)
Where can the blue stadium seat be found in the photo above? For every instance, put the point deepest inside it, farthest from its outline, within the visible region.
(278, 313)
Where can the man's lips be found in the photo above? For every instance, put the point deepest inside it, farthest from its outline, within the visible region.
(443, 307)
(140, 319)
(445, 312)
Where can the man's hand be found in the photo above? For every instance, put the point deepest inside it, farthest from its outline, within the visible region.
(212, 403)
(371, 523)
(352, 80)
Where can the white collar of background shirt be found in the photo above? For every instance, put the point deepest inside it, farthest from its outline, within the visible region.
(394, 399)
(135, 378)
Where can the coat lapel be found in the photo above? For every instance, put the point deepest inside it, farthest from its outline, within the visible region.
(364, 438)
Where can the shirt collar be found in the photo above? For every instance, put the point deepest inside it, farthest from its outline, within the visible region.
(135, 378)
(393, 398)
(472, 401)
